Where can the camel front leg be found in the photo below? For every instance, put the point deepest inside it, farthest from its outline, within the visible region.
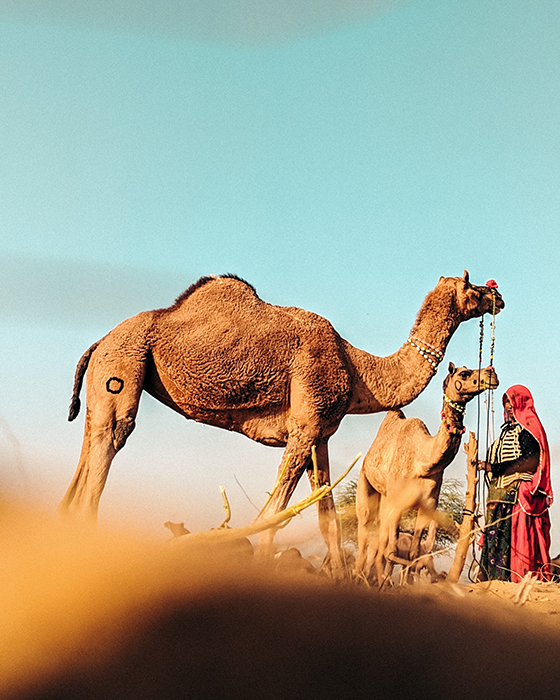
(427, 560)
(298, 450)
(383, 568)
(424, 518)
(389, 518)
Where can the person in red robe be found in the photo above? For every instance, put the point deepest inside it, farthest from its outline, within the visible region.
(517, 532)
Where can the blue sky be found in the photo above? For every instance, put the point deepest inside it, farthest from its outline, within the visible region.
(339, 157)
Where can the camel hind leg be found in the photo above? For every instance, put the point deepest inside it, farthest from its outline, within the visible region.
(114, 384)
(424, 519)
(421, 553)
(102, 440)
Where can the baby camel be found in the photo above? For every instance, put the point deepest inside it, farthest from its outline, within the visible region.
(403, 469)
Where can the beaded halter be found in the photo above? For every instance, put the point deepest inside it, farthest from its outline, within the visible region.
(428, 352)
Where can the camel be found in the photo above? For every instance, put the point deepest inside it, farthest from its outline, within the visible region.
(403, 469)
(282, 376)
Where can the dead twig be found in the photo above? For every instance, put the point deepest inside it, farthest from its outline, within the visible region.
(224, 525)
(276, 485)
(245, 493)
(275, 521)
(524, 588)
(471, 448)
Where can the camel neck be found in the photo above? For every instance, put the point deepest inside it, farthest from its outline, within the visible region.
(384, 383)
(436, 321)
(452, 416)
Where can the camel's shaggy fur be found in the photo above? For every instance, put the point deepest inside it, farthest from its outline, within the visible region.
(279, 375)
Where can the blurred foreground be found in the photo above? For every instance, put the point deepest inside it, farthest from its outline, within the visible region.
(105, 615)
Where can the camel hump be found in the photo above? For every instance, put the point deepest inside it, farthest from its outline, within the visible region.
(229, 280)
(392, 417)
(396, 423)
(391, 425)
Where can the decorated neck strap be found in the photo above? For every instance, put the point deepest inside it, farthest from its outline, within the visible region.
(459, 407)
(428, 352)
(452, 428)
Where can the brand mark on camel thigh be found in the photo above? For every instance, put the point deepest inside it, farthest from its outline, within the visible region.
(115, 385)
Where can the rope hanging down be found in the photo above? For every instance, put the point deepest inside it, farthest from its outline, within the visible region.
(480, 495)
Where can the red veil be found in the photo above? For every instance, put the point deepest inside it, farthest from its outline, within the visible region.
(531, 523)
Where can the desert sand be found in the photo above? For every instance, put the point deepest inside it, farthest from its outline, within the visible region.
(103, 615)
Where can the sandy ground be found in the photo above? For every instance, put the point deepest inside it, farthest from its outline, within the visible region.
(532, 596)
(536, 598)
(542, 598)
(101, 616)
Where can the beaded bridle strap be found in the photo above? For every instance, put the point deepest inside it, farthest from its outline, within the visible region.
(428, 352)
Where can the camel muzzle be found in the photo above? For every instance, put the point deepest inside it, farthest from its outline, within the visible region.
(489, 380)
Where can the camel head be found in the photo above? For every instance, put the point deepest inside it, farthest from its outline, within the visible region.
(463, 384)
(473, 300)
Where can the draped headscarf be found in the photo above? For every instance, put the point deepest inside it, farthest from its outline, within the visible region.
(535, 496)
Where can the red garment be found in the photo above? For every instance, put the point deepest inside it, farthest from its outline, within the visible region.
(530, 537)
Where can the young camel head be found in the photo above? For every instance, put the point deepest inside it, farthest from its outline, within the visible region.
(463, 384)
(473, 300)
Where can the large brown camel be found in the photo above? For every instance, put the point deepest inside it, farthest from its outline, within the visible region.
(403, 469)
(280, 375)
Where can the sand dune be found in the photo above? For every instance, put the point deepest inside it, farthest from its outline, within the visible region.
(107, 615)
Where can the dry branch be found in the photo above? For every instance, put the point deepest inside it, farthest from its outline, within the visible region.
(465, 531)
(276, 485)
(524, 588)
(276, 521)
(224, 525)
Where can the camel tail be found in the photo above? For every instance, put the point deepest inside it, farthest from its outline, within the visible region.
(75, 403)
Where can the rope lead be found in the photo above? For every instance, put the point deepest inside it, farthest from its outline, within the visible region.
(480, 492)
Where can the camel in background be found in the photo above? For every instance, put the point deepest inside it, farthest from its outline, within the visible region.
(403, 469)
(279, 375)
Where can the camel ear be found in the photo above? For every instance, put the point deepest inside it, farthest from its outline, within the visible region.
(451, 368)
(466, 278)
